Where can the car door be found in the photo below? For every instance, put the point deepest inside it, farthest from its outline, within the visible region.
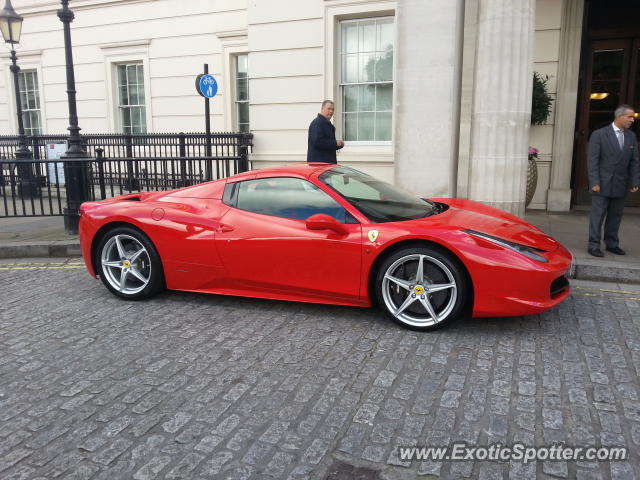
(266, 246)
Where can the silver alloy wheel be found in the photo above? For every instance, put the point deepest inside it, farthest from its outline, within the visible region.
(126, 264)
(419, 291)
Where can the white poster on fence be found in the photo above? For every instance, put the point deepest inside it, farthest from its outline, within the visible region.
(54, 152)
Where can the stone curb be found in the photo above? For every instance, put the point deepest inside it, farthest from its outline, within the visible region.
(607, 271)
(58, 248)
(597, 270)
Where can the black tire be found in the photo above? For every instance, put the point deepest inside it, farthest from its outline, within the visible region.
(396, 284)
(136, 255)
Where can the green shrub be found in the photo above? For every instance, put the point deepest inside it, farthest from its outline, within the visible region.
(541, 101)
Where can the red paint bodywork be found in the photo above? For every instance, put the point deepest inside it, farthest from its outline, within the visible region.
(207, 246)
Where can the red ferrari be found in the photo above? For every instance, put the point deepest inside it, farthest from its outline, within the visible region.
(326, 234)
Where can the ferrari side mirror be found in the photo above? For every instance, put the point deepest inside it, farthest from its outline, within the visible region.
(322, 221)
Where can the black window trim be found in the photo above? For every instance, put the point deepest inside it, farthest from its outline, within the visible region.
(230, 195)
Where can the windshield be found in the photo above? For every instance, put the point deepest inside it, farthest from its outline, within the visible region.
(377, 200)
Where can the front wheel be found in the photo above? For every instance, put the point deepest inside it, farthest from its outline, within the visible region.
(128, 264)
(422, 288)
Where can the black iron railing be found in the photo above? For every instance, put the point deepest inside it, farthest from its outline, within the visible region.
(118, 164)
(118, 145)
(46, 195)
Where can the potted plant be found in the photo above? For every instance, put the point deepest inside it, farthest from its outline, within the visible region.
(532, 175)
(540, 111)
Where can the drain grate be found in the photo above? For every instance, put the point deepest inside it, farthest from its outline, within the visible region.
(343, 471)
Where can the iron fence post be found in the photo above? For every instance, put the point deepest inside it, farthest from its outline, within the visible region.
(40, 169)
(100, 161)
(208, 165)
(132, 181)
(183, 160)
(35, 148)
(243, 151)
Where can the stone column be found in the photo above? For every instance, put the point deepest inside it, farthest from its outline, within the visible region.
(559, 195)
(501, 113)
(427, 95)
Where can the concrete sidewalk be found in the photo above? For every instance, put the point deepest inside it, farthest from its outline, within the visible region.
(36, 237)
(572, 230)
(45, 237)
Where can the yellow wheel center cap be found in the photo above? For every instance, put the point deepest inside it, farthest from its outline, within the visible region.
(419, 290)
(126, 264)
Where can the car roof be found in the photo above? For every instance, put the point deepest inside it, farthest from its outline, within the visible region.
(303, 169)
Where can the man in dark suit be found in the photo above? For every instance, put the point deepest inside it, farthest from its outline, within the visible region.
(322, 143)
(613, 166)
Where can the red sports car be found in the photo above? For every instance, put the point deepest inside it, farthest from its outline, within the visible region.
(327, 234)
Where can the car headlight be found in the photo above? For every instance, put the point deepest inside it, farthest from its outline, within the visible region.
(529, 252)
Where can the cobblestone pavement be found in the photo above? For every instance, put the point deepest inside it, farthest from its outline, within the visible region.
(201, 387)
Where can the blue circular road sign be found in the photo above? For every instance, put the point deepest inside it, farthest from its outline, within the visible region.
(206, 85)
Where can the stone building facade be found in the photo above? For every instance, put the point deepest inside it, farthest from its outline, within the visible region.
(434, 96)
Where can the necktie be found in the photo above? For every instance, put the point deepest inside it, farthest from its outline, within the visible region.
(621, 138)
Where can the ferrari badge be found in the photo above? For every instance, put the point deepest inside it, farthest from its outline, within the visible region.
(373, 235)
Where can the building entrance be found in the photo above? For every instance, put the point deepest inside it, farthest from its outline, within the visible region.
(610, 76)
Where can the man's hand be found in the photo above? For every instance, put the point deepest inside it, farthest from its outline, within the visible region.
(634, 189)
(596, 188)
(340, 143)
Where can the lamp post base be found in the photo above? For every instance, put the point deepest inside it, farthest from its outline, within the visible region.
(78, 183)
(71, 221)
(27, 189)
(28, 185)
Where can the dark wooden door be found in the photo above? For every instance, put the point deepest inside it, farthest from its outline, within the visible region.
(612, 78)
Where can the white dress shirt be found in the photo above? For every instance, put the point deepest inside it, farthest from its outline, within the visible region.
(619, 134)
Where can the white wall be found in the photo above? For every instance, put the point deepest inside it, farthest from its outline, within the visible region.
(546, 57)
(292, 69)
(173, 49)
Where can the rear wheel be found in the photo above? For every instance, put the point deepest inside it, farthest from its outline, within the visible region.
(422, 288)
(128, 264)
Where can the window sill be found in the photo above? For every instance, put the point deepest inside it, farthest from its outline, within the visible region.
(352, 143)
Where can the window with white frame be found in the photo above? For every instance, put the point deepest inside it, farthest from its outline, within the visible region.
(131, 100)
(366, 79)
(30, 100)
(242, 92)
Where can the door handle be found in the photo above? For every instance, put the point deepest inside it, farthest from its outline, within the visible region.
(225, 228)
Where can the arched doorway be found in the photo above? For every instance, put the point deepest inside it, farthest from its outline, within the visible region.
(610, 75)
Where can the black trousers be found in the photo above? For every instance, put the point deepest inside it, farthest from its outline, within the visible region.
(607, 210)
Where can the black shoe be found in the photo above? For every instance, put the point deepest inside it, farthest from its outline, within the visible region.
(616, 250)
(596, 252)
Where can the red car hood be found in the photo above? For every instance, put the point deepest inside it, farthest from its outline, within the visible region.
(469, 215)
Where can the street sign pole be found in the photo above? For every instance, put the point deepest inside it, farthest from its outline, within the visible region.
(207, 117)
(207, 87)
(208, 167)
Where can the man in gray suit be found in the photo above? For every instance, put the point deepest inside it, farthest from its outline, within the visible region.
(613, 166)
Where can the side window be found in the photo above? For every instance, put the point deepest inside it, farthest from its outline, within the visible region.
(242, 93)
(366, 78)
(132, 104)
(30, 98)
(288, 198)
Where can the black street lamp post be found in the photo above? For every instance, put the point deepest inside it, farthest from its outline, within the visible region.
(77, 167)
(11, 27)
